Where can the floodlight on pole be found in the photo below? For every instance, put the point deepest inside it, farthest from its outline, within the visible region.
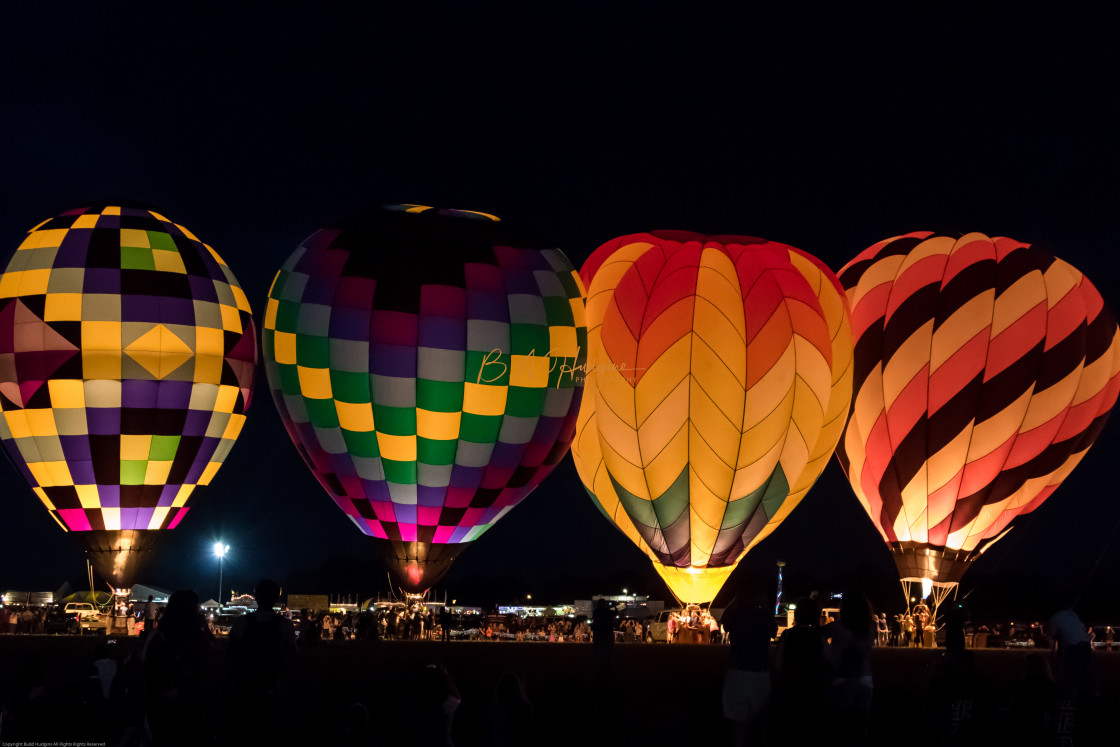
(220, 551)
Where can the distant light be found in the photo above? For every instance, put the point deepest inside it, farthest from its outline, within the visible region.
(624, 591)
(528, 596)
(220, 550)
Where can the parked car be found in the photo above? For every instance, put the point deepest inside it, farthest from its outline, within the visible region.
(87, 616)
(60, 621)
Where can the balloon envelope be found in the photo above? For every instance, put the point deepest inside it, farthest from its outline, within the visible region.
(984, 370)
(423, 362)
(717, 384)
(127, 352)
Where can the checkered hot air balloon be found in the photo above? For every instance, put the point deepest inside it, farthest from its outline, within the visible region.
(984, 370)
(718, 380)
(424, 363)
(127, 352)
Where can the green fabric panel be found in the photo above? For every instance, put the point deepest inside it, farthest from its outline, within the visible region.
(132, 471)
(480, 429)
(395, 421)
(268, 344)
(163, 448)
(439, 396)
(558, 311)
(495, 371)
(361, 444)
(289, 378)
(278, 285)
(162, 241)
(287, 316)
(673, 502)
(569, 282)
(433, 451)
(321, 412)
(399, 472)
(137, 258)
(312, 351)
(562, 374)
(528, 338)
(350, 387)
(638, 509)
(776, 492)
(525, 402)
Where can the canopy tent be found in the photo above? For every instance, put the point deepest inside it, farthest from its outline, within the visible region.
(210, 604)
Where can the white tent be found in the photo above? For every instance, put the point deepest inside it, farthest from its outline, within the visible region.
(210, 604)
(140, 593)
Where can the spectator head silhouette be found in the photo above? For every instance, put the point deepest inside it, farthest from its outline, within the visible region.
(267, 594)
(807, 612)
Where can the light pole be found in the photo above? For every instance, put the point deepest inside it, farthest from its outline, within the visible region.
(220, 550)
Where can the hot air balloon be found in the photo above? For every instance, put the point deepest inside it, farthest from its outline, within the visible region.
(127, 352)
(424, 363)
(718, 380)
(984, 370)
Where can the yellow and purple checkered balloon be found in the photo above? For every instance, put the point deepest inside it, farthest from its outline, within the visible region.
(127, 352)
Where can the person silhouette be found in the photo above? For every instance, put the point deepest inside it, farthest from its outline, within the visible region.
(746, 686)
(262, 644)
(176, 667)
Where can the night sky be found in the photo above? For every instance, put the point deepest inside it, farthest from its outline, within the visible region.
(253, 131)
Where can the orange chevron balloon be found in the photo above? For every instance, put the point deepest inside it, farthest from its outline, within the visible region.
(984, 370)
(718, 381)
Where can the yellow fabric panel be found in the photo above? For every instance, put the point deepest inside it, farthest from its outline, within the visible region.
(663, 425)
(24, 283)
(727, 344)
(188, 234)
(209, 472)
(171, 262)
(712, 424)
(579, 313)
(156, 473)
(806, 423)
(703, 535)
(227, 398)
(964, 324)
(240, 299)
(210, 341)
(47, 238)
(657, 384)
(621, 436)
(182, 496)
(588, 458)
(135, 447)
(215, 255)
(663, 469)
(1060, 278)
(207, 368)
(116, 210)
(484, 399)
(43, 497)
(616, 393)
(937, 245)
(101, 336)
(88, 496)
(314, 383)
(761, 437)
(628, 474)
(270, 310)
(1045, 405)
(85, 221)
(694, 585)
(158, 516)
(111, 517)
(41, 473)
(231, 319)
(63, 307)
(751, 474)
(40, 422)
(135, 237)
(912, 356)
(562, 342)
(442, 426)
(1026, 293)
(706, 466)
(233, 428)
(397, 448)
(943, 466)
(354, 417)
(529, 371)
(773, 388)
(17, 423)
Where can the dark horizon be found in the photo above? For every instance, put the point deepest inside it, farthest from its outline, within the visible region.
(585, 131)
